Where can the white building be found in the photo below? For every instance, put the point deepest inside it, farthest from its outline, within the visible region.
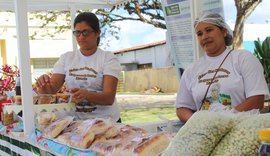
(44, 50)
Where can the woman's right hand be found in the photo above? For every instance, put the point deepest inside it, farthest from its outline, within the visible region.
(50, 84)
(43, 80)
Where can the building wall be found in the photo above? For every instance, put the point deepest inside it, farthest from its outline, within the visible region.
(139, 80)
(162, 56)
(128, 57)
(145, 56)
(3, 52)
(158, 56)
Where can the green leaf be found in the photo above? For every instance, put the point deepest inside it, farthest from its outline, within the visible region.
(262, 52)
(258, 48)
(267, 41)
(265, 47)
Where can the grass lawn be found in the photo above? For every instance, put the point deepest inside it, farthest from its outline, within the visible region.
(147, 114)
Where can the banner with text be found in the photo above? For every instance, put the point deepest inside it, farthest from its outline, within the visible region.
(179, 16)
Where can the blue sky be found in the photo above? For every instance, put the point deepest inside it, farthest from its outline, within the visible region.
(137, 33)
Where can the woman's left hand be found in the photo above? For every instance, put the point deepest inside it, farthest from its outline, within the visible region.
(78, 94)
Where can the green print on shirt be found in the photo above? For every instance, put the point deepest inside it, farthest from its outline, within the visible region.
(220, 98)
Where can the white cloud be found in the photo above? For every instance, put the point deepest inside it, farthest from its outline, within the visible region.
(254, 31)
(251, 31)
(156, 35)
(259, 15)
(134, 33)
(256, 25)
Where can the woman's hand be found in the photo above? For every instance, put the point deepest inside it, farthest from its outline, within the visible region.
(44, 84)
(184, 113)
(43, 80)
(253, 102)
(47, 84)
(78, 94)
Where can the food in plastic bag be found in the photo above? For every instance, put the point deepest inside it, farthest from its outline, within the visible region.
(217, 107)
(107, 147)
(44, 119)
(62, 98)
(85, 134)
(112, 131)
(45, 98)
(200, 134)
(55, 128)
(65, 136)
(114, 146)
(243, 138)
(151, 145)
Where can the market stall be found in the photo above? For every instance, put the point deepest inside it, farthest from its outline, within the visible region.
(57, 132)
(23, 136)
(21, 7)
(51, 129)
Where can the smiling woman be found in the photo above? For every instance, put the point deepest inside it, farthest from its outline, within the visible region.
(205, 80)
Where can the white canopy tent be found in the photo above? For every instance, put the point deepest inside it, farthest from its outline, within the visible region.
(38, 5)
(21, 7)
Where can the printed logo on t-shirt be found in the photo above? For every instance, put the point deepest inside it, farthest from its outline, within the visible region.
(92, 73)
(216, 97)
(222, 73)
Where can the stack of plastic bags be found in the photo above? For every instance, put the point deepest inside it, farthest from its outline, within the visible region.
(219, 133)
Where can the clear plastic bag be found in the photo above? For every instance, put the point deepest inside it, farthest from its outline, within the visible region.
(200, 134)
(217, 107)
(243, 137)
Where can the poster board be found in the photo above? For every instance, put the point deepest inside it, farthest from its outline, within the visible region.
(179, 17)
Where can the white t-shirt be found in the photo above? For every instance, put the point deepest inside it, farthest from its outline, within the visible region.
(87, 72)
(240, 77)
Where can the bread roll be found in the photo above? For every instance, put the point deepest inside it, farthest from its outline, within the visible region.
(86, 132)
(64, 138)
(99, 126)
(152, 146)
(46, 118)
(45, 98)
(66, 134)
(55, 128)
(107, 148)
(128, 132)
(62, 98)
(134, 129)
(73, 126)
(112, 131)
(98, 139)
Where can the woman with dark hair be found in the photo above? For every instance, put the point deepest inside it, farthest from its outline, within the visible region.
(223, 78)
(91, 74)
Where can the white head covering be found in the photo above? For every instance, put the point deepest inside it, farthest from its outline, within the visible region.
(218, 20)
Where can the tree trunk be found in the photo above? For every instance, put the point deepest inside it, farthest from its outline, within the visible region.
(238, 32)
(244, 9)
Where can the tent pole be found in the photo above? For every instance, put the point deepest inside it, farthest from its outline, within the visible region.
(24, 64)
(73, 15)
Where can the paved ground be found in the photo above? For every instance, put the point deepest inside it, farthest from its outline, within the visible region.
(128, 101)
